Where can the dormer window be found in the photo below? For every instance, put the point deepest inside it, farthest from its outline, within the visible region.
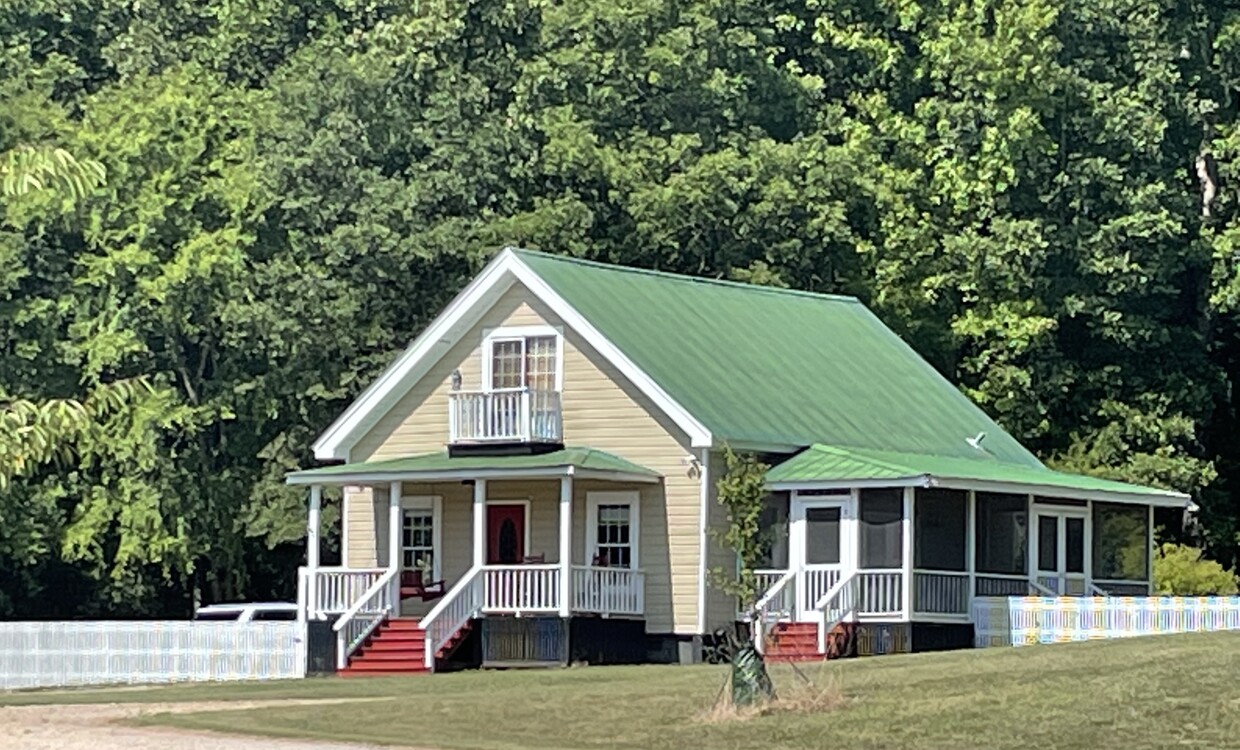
(522, 358)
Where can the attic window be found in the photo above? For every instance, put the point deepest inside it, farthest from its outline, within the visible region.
(522, 358)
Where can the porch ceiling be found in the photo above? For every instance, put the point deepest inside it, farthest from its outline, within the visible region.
(585, 463)
(826, 466)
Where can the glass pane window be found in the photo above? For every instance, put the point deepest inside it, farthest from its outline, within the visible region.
(417, 541)
(507, 359)
(540, 363)
(1074, 533)
(614, 536)
(1048, 543)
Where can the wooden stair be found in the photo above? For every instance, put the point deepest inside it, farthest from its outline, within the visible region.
(798, 642)
(397, 647)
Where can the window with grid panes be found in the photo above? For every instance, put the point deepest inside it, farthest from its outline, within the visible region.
(417, 541)
(614, 540)
(528, 362)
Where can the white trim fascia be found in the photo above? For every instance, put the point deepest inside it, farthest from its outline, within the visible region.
(1172, 500)
(699, 436)
(446, 330)
(364, 478)
(703, 537)
(458, 317)
(1175, 500)
(633, 499)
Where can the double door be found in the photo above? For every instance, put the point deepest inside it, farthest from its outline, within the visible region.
(1059, 548)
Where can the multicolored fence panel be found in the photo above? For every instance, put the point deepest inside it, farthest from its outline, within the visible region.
(1024, 621)
(62, 654)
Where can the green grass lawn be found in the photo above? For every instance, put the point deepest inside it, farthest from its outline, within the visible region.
(1137, 694)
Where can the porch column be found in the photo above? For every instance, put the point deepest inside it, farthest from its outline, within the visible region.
(566, 545)
(480, 522)
(970, 546)
(395, 529)
(906, 554)
(313, 521)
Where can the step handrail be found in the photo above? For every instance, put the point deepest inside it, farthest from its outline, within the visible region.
(1039, 589)
(462, 603)
(758, 612)
(348, 634)
(845, 590)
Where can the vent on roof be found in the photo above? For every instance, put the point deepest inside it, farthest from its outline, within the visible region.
(976, 441)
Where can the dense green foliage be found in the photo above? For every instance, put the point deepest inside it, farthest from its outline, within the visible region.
(1180, 570)
(741, 490)
(293, 189)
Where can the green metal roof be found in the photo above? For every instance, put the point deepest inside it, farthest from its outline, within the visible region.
(775, 367)
(441, 465)
(826, 463)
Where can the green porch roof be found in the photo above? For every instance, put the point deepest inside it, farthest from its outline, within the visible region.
(775, 367)
(825, 464)
(435, 466)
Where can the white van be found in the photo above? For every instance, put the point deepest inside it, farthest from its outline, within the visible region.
(246, 612)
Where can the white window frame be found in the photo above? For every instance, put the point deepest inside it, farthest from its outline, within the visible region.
(434, 504)
(632, 498)
(519, 333)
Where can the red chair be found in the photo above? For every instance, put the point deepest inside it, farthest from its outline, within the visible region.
(412, 585)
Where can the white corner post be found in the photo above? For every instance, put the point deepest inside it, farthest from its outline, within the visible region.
(480, 522)
(396, 523)
(1151, 550)
(906, 554)
(313, 522)
(566, 544)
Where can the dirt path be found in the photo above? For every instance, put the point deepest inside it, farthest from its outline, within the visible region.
(98, 727)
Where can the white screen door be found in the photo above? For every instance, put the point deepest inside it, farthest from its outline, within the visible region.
(821, 547)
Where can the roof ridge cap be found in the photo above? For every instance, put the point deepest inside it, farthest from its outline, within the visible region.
(687, 278)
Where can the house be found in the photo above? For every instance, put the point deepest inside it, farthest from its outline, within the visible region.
(533, 481)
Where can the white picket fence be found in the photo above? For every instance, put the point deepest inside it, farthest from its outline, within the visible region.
(65, 654)
(1023, 621)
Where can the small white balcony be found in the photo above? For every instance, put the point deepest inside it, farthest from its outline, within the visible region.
(509, 415)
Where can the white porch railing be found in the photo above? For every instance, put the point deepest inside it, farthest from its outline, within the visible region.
(838, 604)
(939, 592)
(777, 602)
(817, 581)
(504, 415)
(880, 592)
(609, 591)
(334, 590)
(461, 604)
(361, 619)
(521, 589)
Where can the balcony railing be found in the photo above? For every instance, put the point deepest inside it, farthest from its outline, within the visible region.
(508, 415)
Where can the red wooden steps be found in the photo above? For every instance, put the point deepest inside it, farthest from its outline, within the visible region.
(798, 642)
(398, 646)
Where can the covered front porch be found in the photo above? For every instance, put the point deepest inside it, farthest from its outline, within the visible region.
(450, 539)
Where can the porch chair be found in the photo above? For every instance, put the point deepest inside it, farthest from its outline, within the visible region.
(412, 585)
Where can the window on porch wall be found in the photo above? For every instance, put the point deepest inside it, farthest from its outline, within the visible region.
(1002, 533)
(614, 541)
(882, 528)
(1121, 539)
(528, 362)
(417, 540)
(940, 526)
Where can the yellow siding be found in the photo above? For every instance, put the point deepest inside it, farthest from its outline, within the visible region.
(720, 607)
(602, 410)
(359, 527)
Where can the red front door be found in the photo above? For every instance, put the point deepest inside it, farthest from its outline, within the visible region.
(505, 534)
